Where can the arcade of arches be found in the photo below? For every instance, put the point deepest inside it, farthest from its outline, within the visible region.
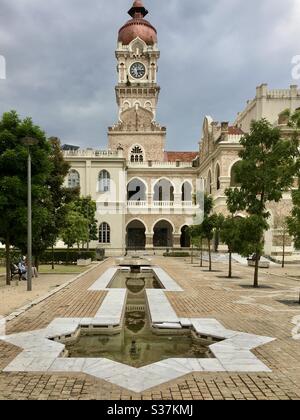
(163, 236)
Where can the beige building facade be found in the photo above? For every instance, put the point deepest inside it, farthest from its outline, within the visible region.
(146, 196)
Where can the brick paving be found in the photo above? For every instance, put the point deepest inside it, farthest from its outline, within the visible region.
(267, 311)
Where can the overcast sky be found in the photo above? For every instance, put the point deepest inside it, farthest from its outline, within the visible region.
(61, 68)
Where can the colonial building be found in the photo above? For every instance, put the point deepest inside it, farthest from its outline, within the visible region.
(147, 196)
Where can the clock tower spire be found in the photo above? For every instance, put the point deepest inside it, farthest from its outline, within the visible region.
(137, 90)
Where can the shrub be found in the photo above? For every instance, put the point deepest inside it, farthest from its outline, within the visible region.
(177, 254)
(66, 256)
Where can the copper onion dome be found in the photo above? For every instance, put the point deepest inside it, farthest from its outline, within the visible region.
(138, 26)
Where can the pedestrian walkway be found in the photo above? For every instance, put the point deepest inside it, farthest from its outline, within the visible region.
(269, 311)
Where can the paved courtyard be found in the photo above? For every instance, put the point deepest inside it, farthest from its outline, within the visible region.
(269, 311)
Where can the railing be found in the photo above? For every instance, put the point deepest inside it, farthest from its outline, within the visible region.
(159, 204)
(90, 153)
(163, 204)
(281, 93)
(187, 204)
(139, 205)
(133, 204)
(160, 165)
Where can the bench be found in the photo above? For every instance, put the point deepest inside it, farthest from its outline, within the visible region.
(14, 271)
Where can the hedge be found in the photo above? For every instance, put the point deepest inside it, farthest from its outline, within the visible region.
(60, 256)
(66, 256)
(177, 254)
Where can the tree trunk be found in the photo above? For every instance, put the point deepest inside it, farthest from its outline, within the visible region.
(7, 256)
(192, 254)
(230, 265)
(52, 257)
(283, 249)
(201, 254)
(37, 263)
(209, 255)
(255, 285)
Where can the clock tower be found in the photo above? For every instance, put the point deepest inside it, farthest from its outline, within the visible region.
(137, 90)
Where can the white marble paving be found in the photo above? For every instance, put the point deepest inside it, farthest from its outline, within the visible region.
(41, 354)
(62, 326)
(112, 308)
(103, 282)
(160, 308)
(211, 327)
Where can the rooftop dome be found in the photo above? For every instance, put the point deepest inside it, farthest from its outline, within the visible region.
(138, 26)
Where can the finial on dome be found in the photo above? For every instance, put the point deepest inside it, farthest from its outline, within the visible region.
(138, 9)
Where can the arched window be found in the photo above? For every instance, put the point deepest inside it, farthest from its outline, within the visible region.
(163, 191)
(104, 233)
(218, 174)
(136, 155)
(136, 190)
(208, 186)
(73, 179)
(104, 181)
(233, 175)
(186, 192)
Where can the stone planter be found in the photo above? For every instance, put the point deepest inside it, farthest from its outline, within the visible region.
(260, 265)
(84, 263)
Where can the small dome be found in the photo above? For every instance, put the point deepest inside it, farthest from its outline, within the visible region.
(138, 26)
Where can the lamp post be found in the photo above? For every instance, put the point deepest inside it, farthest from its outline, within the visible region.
(29, 141)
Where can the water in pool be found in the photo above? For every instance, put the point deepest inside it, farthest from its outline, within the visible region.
(136, 345)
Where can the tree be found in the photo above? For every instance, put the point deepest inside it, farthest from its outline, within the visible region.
(87, 207)
(294, 220)
(13, 179)
(75, 229)
(231, 235)
(266, 170)
(50, 209)
(282, 224)
(208, 226)
(198, 233)
(196, 236)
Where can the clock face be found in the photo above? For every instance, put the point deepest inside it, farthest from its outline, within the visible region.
(137, 70)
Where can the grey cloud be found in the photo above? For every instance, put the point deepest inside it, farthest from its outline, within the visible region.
(61, 68)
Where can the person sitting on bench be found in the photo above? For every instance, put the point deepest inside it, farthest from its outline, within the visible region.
(22, 269)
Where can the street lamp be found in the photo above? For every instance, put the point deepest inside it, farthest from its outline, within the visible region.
(29, 141)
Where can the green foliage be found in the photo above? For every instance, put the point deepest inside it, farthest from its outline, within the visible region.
(208, 205)
(205, 230)
(294, 220)
(13, 180)
(76, 228)
(66, 256)
(87, 207)
(293, 118)
(266, 170)
(252, 235)
(231, 233)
